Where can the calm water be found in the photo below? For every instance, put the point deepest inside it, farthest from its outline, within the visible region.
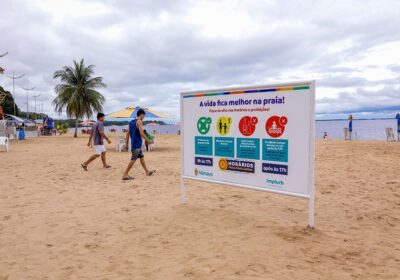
(365, 129)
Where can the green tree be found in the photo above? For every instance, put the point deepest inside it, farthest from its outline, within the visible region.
(8, 103)
(77, 93)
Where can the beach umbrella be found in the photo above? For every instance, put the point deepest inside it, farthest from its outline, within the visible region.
(130, 112)
(87, 123)
(152, 124)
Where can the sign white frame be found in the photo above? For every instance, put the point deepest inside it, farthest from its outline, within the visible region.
(310, 196)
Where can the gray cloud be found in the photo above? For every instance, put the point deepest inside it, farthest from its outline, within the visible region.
(394, 67)
(148, 51)
(342, 81)
(383, 103)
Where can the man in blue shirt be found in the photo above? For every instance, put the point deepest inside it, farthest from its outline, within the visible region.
(136, 133)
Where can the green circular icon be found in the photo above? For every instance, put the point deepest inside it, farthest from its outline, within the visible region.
(203, 125)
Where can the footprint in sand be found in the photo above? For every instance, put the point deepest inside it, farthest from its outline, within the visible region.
(6, 218)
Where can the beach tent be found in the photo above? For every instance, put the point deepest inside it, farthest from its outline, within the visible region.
(39, 121)
(19, 121)
(130, 112)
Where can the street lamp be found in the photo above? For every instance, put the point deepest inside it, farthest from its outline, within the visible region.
(35, 96)
(41, 102)
(27, 100)
(13, 77)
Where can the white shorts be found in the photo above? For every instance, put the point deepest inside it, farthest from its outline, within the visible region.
(100, 149)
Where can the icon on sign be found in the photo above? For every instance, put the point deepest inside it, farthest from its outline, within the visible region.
(203, 125)
(223, 164)
(275, 126)
(247, 125)
(224, 125)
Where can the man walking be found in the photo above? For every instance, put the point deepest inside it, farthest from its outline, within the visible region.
(350, 125)
(98, 136)
(135, 131)
(45, 125)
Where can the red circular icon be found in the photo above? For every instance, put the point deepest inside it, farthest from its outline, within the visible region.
(283, 120)
(247, 125)
(275, 126)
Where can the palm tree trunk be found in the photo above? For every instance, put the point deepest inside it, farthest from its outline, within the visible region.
(76, 127)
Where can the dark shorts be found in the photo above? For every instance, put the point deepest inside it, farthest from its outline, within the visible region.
(137, 153)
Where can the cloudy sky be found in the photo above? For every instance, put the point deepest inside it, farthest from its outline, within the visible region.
(148, 51)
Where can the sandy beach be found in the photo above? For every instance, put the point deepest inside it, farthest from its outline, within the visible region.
(59, 222)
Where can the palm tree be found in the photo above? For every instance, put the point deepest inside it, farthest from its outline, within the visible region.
(77, 92)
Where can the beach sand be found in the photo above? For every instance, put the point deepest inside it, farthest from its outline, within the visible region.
(59, 222)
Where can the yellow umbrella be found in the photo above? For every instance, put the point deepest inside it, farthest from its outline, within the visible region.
(130, 112)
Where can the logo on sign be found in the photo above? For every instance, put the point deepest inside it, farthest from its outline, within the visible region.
(275, 126)
(224, 125)
(203, 161)
(275, 182)
(247, 125)
(279, 169)
(204, 125)
(236, 165)
(203, 173)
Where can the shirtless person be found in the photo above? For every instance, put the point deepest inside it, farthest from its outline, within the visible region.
(98, 136)
(135, 131)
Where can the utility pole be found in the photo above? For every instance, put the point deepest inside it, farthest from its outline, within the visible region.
(13, 77)
(27, 100)
(36, 96)
(41, 101)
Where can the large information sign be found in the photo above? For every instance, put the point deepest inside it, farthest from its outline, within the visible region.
(252, 137)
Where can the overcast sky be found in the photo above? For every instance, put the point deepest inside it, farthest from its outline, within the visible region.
(149, 51)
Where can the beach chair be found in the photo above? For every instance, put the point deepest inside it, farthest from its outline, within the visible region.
(121, 144)
(11, 131)
(389, 134)
(3, 128)
(4, 143)
(151, 146)
(347, 135)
